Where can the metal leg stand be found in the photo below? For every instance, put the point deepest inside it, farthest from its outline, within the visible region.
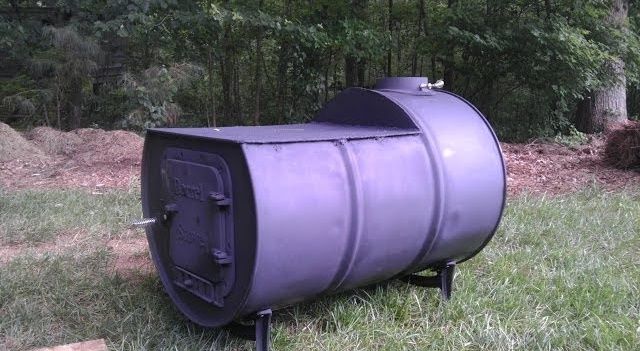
(263, 330)
(442, 280)
(260, 331)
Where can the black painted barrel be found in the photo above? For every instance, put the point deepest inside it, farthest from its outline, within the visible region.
(381, 184)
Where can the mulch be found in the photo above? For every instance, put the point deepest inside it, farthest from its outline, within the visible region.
(555, 169)
(82, 158)
(96, 159)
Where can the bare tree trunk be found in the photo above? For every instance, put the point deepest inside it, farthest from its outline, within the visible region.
(256, 114)
(350, 68)
(390, 27)
(282, 81)
(362, 69)
(76, 104)
(58, 104)
(226, 73)
(46, 115)
(414, 59)
(211, 106)
(335, 78)
(399, 70)
(433, 67)
(449, 74)
(326, 76)
(282, 85)
(237, 98)
(607, 105)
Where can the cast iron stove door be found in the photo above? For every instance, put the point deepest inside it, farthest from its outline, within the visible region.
(201, 228)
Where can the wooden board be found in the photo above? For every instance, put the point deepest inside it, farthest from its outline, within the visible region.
(91, 345)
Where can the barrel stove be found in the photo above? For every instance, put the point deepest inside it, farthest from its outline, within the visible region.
(381, 184)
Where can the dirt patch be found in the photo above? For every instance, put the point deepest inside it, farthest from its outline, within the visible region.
(130, 253)
(76, 240)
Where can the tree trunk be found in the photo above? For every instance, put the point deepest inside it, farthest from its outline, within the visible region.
(362, 69)
(449, 73)
(414, 59)
(390, 27)
(350, 70)
(399, 70)
(46, 114)
(237, 98)
(434, 65)
(282, 85)
(76, 104)
(607, 105)
(211, 106)
(226, 72)
(256, 114)
(58, 103)
(326, 76)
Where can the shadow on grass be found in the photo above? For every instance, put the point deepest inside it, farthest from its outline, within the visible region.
(52, 300)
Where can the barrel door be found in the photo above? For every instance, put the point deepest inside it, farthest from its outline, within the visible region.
(199, 217)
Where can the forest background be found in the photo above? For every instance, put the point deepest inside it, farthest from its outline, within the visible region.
(536, 69)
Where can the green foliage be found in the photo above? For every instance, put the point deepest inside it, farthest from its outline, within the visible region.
(153, 94)
(28, 102)
(359, 39)
(524, 63)
(572, 138)
(109, 107)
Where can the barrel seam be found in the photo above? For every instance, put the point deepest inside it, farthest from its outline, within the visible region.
(356, 214)
(440, 197)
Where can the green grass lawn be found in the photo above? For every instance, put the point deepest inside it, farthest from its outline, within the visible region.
(561, 273)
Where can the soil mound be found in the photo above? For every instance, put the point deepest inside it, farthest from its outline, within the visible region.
(53, 141)
(622, 149)
(88, 146)
(14, 146)
(99, 147)
(89, 158)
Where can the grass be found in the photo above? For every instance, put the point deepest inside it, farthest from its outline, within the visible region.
(36, 216)
(561, 273)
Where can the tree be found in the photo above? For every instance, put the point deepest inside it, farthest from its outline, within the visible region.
(78, 59)
(607, 105)
(525, 63)
(153, 92)
(68, 65)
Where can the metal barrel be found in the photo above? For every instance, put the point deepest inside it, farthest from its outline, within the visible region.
(381, 184)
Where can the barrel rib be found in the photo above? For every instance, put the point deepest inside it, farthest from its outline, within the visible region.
(356, 216)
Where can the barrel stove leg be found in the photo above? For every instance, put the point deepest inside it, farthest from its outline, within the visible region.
(263, 330)
(260, 331)
(442, 280)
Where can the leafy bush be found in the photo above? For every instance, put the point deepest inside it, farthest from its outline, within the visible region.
(153, 92)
